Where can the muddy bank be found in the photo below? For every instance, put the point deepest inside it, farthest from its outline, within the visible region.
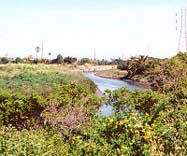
(138, 83)
(112, 74)
(119, 75)
(141, 84)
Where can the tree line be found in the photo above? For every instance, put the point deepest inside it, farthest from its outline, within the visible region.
(59, 60)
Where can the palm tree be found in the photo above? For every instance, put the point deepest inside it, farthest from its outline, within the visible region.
(141, 64)
(142, 59)
(136, 66)
(49, 55)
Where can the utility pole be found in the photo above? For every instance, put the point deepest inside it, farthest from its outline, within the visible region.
(94, 54)
(182, 42)
(42, 50)
(122, 56)
(37, 49)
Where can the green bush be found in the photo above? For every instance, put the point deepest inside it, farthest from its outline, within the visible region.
(18, 60)
(28, 83)
(85, 60)
(61, 108)
(21, 111)
(4, 60)
(32, 143)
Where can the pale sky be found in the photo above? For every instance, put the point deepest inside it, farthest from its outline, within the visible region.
(116, 28)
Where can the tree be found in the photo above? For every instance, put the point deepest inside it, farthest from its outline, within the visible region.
(84, 60)
(136, 66)
(18, 60)
(4, 60)
(49, 55)
(59, 59)
(70, 60)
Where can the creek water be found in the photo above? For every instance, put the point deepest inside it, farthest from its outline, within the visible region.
(111, 84)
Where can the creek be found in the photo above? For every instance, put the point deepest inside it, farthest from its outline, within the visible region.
(111, 84)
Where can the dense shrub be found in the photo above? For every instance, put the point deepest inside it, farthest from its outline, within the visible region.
(18, 60)
(84, 60)
(124, 133)
(42, 83)
(32, 143)
(4, 60)
(123, 65)
(26, 95)
(70, 60)
(21, 111)
(59, 59)
(144, 123)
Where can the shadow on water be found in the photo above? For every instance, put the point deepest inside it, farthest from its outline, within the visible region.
(111, 84)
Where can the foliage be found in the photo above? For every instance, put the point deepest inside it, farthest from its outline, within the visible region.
(123, 65)
(165, 115)
(59, 59)
(133, 132)
(162, 74)
(18, 60)
(92, 87)
(71, 107)
(27, 83)
(24, 111)
(25, 95)
(145, 122)
(170, 75)
(4, 60)
(20, 111)
(84, 60)
(103, 62)
(70, 60)
(32, 143)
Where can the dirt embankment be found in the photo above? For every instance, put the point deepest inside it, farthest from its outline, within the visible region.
(95, 68)
(120, 74)
(112, 74)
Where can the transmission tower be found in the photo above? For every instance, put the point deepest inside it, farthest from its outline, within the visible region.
(181, 27)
